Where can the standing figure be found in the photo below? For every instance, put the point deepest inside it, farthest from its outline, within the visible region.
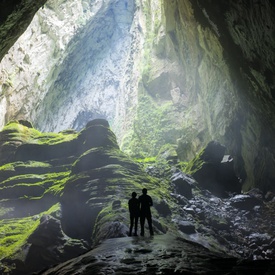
(133, 205)
(145, 211)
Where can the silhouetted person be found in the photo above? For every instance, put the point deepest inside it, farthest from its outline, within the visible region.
(133, 205)
(145, 211)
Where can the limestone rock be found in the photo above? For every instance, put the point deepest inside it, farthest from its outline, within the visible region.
(186, 227)
(166, 254)
(213, 152)
(78, 199)
(49, 245)
(210, 78)
(12, 15)
(246, 202)
(182, 184)
(214, 171)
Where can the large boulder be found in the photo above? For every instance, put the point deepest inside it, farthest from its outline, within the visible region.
(48, 245)
(245, 201)
(214, 171)
(182, 184)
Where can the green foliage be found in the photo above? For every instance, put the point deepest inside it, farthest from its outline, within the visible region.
(152, 128)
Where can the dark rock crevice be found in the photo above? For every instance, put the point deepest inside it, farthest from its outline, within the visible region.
(15, 17)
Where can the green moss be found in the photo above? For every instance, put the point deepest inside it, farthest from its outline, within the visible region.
(60, 180)
(182, 165)
(33, 186)
(12, 166)
(15, 232)
(18, 132)
(34, 178)
(195, 164)
(146, 160)
(151, 129)
(20, 179)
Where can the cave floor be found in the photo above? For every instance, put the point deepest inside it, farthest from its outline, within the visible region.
(160, 254)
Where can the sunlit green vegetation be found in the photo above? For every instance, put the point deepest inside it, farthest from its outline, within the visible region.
(152, 128)
(18, 132)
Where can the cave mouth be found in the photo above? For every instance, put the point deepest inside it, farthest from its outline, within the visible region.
(90, 81)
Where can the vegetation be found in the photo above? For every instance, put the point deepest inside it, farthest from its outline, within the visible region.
(152, 128)
(194, 165)
(152, 13)
(15, 232)
(18, 132)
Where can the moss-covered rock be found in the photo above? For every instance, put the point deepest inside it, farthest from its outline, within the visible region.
(35, 168)
(86, 173)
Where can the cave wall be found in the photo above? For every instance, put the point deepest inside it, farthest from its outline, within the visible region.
(93, 77)
(246, 34)
(220, 88)
(232, 47)
(15, 16)
(32, 65)
(75, 56)
(176, 72)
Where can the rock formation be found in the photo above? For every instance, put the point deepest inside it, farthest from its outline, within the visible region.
(15, 16)
(63, 194)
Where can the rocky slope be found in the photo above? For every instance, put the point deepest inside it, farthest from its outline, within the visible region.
(65, 194)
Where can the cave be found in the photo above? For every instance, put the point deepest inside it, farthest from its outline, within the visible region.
(99, 99)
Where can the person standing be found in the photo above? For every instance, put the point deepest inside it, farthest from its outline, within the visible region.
(133, 205)
(145, 212)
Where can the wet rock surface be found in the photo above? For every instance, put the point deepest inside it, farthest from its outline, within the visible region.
(231, 226)
(162, 254)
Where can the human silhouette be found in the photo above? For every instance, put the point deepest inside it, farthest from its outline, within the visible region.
(145, 212)
(133, 205)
